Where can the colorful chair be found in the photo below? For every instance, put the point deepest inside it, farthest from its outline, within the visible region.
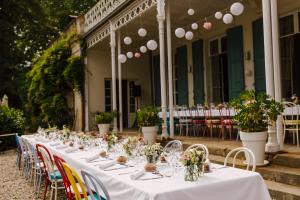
(78, 186)
(52, 175)
(95, 186)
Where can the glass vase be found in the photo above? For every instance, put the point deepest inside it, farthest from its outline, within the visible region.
(193, 172)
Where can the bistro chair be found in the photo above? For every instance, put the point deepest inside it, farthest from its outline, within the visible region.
(198, 119)
(184, 120)
(20, 151)
(290, 120)
(211, 120)
(79, 189)
(37, 168)
(52, 175)
(203, 148)
(174, 145)
(95, 186)
(28, 160)
(227, 123)
(250, 158)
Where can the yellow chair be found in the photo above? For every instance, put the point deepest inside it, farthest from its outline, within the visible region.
(77, 184)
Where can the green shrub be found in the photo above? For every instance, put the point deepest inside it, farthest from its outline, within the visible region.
(148, 116)
(11, 120)
(105, 117)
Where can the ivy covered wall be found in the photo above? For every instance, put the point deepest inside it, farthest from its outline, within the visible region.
(55, 74)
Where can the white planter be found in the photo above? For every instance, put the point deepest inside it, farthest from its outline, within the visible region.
(103, 128)
(256, 142)
(150, 134)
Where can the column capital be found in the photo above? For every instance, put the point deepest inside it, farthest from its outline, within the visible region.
(112, 35)
(161, 10)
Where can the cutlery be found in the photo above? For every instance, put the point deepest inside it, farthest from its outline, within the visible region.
(146, 179)
(128, 172)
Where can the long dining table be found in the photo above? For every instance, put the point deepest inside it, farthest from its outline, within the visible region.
(221, 183)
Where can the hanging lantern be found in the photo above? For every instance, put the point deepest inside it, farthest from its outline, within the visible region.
(152, 45)
(137, 55)
(143, 49)
(227, 18)
(191, 11)
(122, 58)
(218, 15)
(189, 35)
(180, 32)
(129, 54)
(207, 25)
(127, 40)
(142, 32)
(194, 26)
(237, 8)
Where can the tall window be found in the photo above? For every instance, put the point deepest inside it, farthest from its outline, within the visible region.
(289, 56)
(218, 60)
(132, 106)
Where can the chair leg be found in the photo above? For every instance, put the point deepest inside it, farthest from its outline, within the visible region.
(56, 188)
(52, 190)
(46, 188)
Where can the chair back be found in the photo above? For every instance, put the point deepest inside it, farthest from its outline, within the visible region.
(93, 183)
(59, 163)
(76, 182)
(248, 154)
(20, 143)
(202, 147)
(34, 156)
(48, 163)
(290, 113)
(174, 145)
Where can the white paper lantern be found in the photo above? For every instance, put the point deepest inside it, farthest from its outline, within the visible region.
(218, 15)
(180, 32)
(237, 8)
(191, 11)
(152, 45)
(142, 32)
(228, 18)
(129, 54)
(143, 49)
(194, 26)
(137, 55)
(189, 35)
(127, 40)
(122, 58)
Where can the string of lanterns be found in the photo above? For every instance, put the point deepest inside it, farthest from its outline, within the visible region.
(236, 9)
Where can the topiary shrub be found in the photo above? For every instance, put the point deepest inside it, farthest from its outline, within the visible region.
(11, 120)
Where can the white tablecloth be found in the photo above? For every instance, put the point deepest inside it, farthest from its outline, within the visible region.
(223, 183)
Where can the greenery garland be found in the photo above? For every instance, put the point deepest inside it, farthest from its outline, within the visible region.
(54, 74)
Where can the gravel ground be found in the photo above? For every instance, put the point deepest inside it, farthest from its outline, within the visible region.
(13, 185)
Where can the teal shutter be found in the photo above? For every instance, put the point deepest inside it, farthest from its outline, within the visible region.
(156, 80)
(198, 75)
(182, 74)
(259, 56)
(235, 53)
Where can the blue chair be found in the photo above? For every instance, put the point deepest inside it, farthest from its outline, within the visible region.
(95, 186)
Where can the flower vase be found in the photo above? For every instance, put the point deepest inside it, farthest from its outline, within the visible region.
(151, 163)
(192, 173)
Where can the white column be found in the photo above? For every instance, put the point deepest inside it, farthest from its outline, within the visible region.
(120, 85)
(113, 72)
(272, 145)
(86, 96)
(170, 70)
(276, 64)
(161, 19)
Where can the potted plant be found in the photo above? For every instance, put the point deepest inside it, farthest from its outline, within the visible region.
(104, 119)
(149, 120)
(254, 113)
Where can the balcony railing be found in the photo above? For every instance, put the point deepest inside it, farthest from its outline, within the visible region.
(100, 11)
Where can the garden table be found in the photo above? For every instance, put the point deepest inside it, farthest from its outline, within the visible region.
(222, 183)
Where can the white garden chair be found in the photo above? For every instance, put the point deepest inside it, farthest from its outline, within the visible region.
(174, 145)
(290, 120)
(248, 154)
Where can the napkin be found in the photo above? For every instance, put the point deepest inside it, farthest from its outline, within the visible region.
(107, 164)
(92, 158)
(54, 143)
(70, 150)
(63, 146)
(137, 175)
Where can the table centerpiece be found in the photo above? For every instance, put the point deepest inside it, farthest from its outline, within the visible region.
(152, 154)
(193, 161)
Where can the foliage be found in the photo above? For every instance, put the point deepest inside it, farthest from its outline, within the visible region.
(130, 144)
(54, 74)
(105, 117)
(152, 152)
(148, 116)
(192, 157)
(255, 111)
(111, 139)
(11, 120)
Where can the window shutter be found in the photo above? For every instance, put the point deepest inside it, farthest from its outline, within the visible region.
(259, 55)
(181, 61)
(235, 53)
(198, 75)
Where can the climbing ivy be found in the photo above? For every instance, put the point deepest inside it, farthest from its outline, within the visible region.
(54, 74)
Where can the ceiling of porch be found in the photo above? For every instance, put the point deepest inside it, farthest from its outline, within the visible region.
(179, 18)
